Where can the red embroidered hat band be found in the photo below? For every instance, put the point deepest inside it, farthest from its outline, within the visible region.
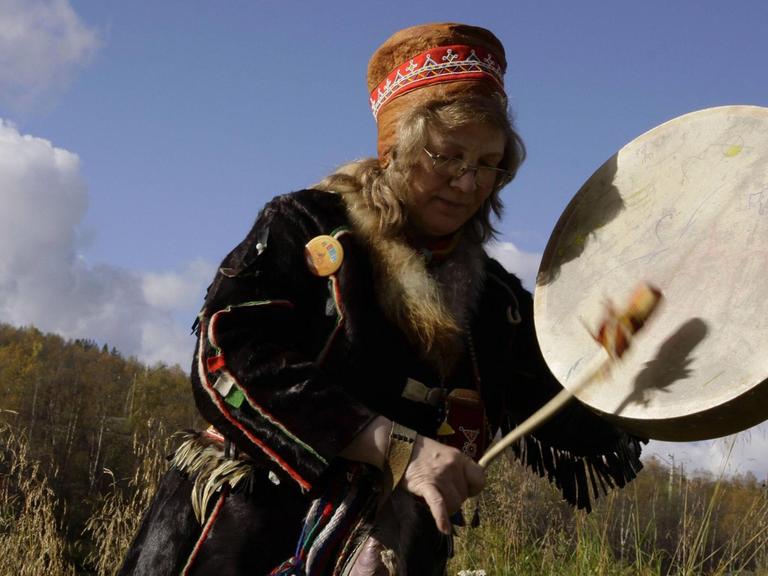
(436, 62)
(441, 64)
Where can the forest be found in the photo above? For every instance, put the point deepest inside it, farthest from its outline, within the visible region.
(77, 408)
(84, 435)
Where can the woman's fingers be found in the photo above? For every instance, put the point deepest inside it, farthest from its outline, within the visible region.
(475, 475)
(434, 500)
(444, 477)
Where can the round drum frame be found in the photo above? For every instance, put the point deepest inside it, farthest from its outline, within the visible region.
(683, 207)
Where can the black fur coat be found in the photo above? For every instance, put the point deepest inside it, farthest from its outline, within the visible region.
(291, 366)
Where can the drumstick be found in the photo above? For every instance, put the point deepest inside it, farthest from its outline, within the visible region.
(614, 335)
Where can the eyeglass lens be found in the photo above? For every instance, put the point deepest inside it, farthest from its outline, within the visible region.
(456, 167)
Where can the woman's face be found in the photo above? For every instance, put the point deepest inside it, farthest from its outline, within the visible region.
(440, 205)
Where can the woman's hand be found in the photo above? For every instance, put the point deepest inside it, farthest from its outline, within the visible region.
(440, 474)
(443, 477)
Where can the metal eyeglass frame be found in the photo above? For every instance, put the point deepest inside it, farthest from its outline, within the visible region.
(502, 176)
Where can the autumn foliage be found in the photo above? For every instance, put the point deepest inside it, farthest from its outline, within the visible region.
(76, 409)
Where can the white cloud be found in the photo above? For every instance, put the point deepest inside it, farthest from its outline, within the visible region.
(164, 340)
(170, 290)
(43, 282)
(735, 454)
(43, 43)
(525, 265)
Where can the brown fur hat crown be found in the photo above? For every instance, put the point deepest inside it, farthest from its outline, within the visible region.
(431, 62)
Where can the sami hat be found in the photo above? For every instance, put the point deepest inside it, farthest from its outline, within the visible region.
(428, 63)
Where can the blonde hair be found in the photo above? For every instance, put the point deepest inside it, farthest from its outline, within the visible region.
(383, 188)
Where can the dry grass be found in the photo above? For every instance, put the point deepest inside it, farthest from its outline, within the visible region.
(31, 540)
(660, 525)
(114, 523)
(654, 527)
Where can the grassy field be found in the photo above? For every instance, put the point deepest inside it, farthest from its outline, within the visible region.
(664, 523)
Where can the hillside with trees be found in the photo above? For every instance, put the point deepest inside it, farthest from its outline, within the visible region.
(78, 407)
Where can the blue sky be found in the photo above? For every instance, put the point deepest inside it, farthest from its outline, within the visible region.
(140, 139)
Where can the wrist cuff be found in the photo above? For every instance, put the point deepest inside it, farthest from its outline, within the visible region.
(399, 450)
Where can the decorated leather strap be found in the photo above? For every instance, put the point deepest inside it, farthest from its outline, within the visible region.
(465, 425)
(401, 441)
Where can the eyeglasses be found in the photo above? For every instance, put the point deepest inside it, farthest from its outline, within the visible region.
(485, 176)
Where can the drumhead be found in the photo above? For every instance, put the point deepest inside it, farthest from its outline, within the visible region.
(683, 207)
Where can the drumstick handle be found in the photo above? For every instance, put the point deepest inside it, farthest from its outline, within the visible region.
(539, 417)
(643, 303)
(535, 420)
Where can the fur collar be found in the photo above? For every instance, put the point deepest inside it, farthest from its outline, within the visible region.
(432, 305)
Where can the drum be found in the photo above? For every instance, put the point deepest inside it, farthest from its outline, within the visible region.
(683, 207)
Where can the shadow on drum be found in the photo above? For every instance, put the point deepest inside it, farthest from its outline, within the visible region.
(595, 204)
(670, 365)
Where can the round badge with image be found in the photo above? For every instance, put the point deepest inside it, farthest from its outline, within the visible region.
(324, 255)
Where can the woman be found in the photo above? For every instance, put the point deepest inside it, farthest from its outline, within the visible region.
(356, 348)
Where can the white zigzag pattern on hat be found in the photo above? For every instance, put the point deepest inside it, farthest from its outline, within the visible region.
(411, 73)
